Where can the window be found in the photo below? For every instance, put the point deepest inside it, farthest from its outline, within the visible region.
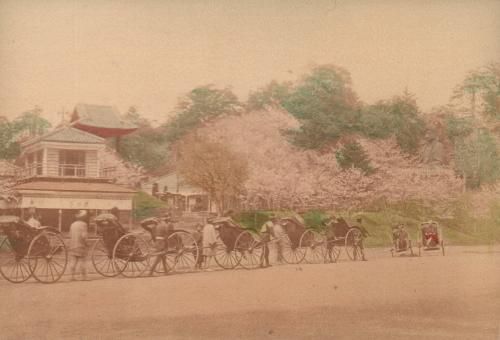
(39, 162)
(72, 163)
(35, 160)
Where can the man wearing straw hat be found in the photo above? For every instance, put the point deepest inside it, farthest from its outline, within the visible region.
(78, 244)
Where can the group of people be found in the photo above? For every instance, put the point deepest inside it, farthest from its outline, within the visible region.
(429, 235)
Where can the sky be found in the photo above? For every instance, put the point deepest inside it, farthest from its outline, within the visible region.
(148, 53)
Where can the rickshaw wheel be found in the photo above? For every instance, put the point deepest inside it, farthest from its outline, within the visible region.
(332, 251)
(102, 260)
(182, 252)
(289, 254)
(250, 250)
(225, 258)
(13, 268)
(47, 257)
(131, 255)
(354, 244)
(314, 245)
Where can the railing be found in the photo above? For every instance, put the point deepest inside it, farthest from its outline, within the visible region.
(61, 170)
(108, 172)
(71, 170)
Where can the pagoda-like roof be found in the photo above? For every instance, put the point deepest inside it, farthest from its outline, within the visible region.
(100, 120)
(66, 134)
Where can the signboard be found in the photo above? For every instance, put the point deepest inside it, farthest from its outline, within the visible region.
(75, 203)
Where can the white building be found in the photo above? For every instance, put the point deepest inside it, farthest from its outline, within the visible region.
(173, 189)
(62, 174)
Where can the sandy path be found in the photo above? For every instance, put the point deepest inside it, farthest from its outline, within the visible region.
(433, 297)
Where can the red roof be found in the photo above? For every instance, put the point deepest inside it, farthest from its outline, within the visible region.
(73, 186)
(100, 120)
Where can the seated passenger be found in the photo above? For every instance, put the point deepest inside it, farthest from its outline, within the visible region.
(431, 236)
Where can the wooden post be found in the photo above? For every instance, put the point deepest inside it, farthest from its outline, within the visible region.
(60, 220)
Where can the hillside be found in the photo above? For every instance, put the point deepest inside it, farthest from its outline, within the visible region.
(284, 176)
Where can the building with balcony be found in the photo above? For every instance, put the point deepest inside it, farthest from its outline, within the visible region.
(62, 173)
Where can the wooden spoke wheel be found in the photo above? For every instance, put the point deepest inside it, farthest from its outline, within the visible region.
(226, 258)
(314, 246)
(47, 257)
(354, 244)
(182, 252)
(288, 252)
(102, 259)
(131, 255)
(14, 267)
(250, 250)
(332, 251)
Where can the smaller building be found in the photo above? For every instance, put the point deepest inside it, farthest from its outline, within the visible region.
(173, 189)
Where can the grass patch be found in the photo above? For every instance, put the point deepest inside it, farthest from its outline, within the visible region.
(458, 227)
(146, 205)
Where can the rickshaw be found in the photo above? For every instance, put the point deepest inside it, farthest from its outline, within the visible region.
(181, 251)
(401, 242)
(431, 237)
(324, 245)
(118, 251)
(27, 252)
(288, 232)
(109, 231)
(236, 245)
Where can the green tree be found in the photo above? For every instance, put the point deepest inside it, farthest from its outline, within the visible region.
(11, 131)
(273, 93)
(9, 147)
(352, 155)
(477, 158)
(147, 146)
(200, 105)
(33, 122)
(482, 88)
(326, 106)
(133, 116)
(458, 128)
(399, 116)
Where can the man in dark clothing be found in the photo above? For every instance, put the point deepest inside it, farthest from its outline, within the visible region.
(160, 231)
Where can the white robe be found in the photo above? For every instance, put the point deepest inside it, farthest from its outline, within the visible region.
(209, 238)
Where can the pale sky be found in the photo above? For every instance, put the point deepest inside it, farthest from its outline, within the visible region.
(56, 53)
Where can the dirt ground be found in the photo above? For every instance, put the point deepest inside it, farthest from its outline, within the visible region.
(431, 297)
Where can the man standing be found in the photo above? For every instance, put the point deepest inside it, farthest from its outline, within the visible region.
(209, 241)
(78, 244)
(265, 233)
(160, 229)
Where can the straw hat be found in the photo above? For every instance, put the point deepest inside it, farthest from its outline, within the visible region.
(81, 214)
